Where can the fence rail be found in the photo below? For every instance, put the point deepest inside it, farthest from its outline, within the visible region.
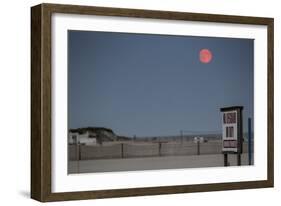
(150, 149)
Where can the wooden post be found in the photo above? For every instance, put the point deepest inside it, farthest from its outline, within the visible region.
(159, 148)
(239, 159)
(122, 150)
(198, 147)
(225, 159)
(78, 156)
(80, 152)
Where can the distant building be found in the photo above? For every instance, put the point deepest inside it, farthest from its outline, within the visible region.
(91, 135)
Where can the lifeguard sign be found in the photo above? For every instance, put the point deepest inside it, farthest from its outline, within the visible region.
(232, 129)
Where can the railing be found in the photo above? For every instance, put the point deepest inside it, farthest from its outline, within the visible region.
(144, 149)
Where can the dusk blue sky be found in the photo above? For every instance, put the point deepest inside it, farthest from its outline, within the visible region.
(150, 85)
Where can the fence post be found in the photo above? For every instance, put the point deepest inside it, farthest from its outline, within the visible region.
(198, 147)
(80, 152)
(249, 141)
(78, 155)
(122, 150)
(159, 148)
(225, 159)
(239, 159)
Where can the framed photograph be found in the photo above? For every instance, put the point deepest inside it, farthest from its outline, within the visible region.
(129, 102)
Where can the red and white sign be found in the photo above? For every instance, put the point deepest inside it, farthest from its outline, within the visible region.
(229, 131)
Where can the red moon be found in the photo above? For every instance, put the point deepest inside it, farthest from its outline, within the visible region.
(205, 56)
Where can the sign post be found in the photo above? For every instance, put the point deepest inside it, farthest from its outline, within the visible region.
(232, 132)
(198, 141)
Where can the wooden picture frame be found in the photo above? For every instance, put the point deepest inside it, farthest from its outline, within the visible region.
(41, 101)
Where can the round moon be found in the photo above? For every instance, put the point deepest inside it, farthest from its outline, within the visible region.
(205, 56)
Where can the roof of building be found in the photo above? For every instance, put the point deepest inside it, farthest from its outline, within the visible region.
(91, 129)
(224, 109)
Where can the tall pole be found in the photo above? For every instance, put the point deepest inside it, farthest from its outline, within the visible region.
(249, 141)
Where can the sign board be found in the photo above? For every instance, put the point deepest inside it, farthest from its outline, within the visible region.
(198, 139)
(232, 130)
